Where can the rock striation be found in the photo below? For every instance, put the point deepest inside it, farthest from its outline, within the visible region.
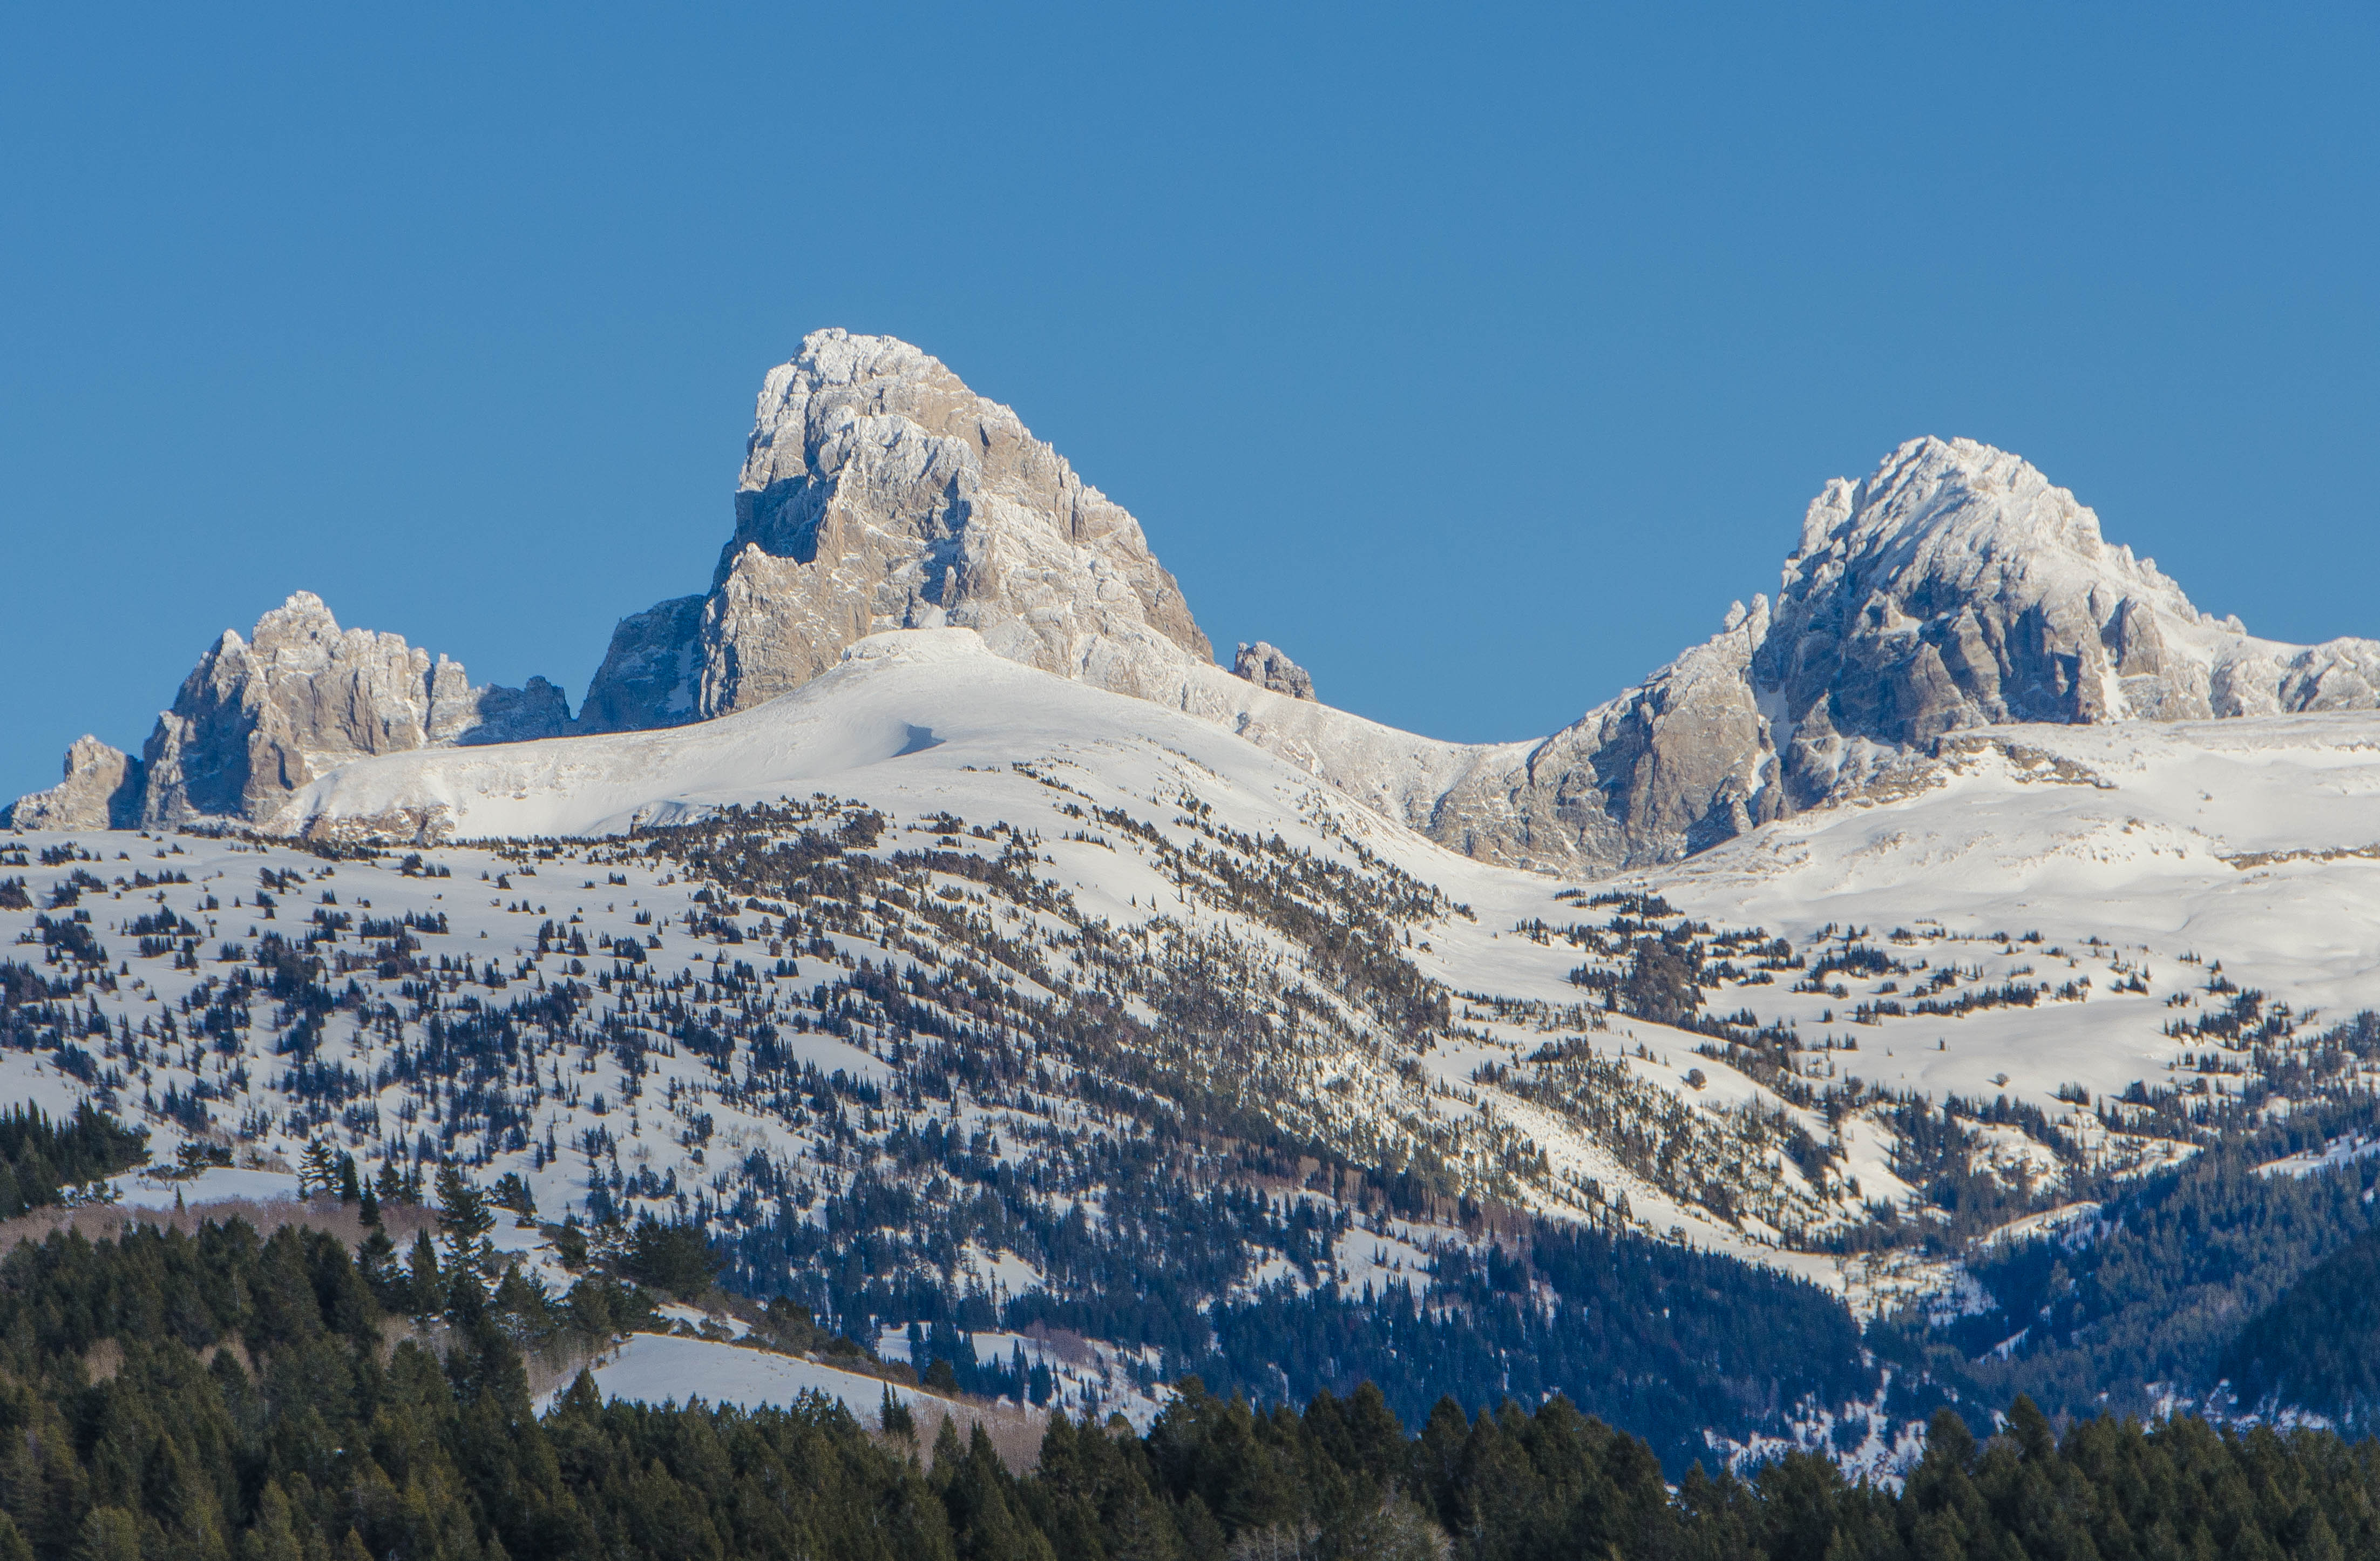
(258, 719)
(879, 492)
(649, 676)
(1268, 667)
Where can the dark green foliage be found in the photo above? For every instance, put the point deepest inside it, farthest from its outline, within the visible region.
(1661, 984)
(39, 1159)
(249, 1408)
(2158, 1288)
(1661, 1339)
(2317, 1349)
(675, 1257)
(1664, 1340)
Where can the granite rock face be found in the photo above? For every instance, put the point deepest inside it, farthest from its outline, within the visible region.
(102, 790)
(1954, 588)
(1675, 764)
(1270, 667)
(258, 719)
(648, 676)
(879, 492)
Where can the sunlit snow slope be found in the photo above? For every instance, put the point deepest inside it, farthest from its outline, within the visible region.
(2112, 927)
(2142, 854)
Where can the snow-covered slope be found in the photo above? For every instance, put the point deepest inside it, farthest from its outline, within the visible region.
(837, 967)
(2157, 860)
(2253, 845)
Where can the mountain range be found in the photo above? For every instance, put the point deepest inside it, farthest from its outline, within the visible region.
(924, 915)
(1953, 588)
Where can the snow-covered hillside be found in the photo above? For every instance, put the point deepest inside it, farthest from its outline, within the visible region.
(2036, 917)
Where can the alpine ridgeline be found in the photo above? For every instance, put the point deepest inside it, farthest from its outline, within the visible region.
(1954, 589)
(259, 718)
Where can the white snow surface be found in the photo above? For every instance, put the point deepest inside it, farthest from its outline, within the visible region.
(2252, 841)
(938, 700)
(665, 1368)
(2255, 842)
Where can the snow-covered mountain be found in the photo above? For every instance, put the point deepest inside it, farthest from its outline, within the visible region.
(1923, 907)
(879, 492)
(747, 969)
(1955, 587)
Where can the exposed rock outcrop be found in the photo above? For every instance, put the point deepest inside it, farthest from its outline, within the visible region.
(102, 790)
(1268, 667)
(1677, 763)
(649, 676)
(259, 718)
(1955, 588)
(879, 492)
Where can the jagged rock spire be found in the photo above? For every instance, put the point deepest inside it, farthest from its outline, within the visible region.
(879, 492)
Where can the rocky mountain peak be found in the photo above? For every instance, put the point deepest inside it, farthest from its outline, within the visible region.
(102, 790)
(879, 492)
(259, 718)
(1945, 523)
(1954, 587)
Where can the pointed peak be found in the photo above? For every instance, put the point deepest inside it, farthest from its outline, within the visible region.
(1934, 500)
(301, 609)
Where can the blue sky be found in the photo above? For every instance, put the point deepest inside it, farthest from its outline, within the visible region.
(1477, 356)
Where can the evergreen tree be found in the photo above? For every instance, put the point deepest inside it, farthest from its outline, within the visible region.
(318, 1171)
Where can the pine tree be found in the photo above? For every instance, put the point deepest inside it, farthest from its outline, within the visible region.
(462, 1210)
(894, 1418)
(426, 1293)
(317, 1171)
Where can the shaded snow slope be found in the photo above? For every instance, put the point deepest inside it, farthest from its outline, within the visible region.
(937, 702)
(2039, 914)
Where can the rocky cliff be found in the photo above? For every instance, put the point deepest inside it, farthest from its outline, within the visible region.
(102, 790)
(878, 493)
(1955, 587)
(259, 718)
(1270, 667)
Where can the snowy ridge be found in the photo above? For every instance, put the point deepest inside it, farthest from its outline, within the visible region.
(2107, 844)
(1953, 588)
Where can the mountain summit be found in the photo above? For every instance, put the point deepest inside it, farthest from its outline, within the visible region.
(879, 492)
(259, 718)
(1954, 588)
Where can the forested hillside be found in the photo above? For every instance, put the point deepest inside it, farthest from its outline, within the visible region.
(224, 1394)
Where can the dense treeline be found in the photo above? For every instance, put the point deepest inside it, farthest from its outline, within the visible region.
(1664, 1340)
(228, 1395)
(2156, 1288)
(40, 1159)
(1660, 1338)
(2317, 1349)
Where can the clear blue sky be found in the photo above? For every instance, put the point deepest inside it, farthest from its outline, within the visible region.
(1476, 355)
